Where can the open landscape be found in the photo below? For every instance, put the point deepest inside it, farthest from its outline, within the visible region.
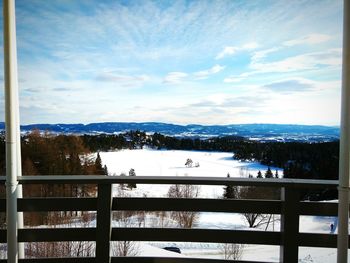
(149, 162)
(105, 100)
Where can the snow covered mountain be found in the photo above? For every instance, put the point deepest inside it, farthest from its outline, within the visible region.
(278, 132)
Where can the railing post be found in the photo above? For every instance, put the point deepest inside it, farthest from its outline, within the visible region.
(103, 227)
(289, 225)
(11, 123)
(344, 151)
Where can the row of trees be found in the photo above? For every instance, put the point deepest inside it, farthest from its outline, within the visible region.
(252, 192)
(298, 159)
(46, 154)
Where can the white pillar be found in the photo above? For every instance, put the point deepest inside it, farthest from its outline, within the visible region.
(344, 155)
(21, 252)
(11, 122)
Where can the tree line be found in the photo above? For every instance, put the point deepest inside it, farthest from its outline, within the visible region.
(301, 160)
(298, 159)
(47, 154)
(68, 154)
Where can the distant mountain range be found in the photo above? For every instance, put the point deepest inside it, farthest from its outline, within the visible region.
(262, 132)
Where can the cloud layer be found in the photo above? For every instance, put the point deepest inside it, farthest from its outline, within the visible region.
(179, 61)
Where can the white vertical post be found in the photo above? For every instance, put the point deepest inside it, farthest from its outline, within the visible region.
(344, 154)
(11, 122)
(21, 252)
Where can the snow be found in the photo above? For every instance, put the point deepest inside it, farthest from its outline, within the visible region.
(148, 162)
(172, 163)
(147, 250)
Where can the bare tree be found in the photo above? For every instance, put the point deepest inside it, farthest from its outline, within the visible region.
(251, 192)
(125, 248)
(125, 219)
(185, 219)
(189, 162)
(255, 220)
(232, 251)
(58, 249)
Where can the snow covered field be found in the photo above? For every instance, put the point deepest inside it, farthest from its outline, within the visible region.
(149, 162)
(172, 163)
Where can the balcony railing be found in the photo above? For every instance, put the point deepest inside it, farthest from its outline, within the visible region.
(289, 207)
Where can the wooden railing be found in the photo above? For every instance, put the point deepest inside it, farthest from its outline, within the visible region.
(289, 207)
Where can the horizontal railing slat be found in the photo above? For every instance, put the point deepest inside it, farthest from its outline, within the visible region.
(318, 240)
(57, 204)
(196, 235)
(175, 260)
(2, 205)
(54, 260)
(2, 235)
(199, 205)
(48, 204)
(171, 204)
(131, 260)
(99, 179)
(52, 234)
(56, 234)
(318, 208)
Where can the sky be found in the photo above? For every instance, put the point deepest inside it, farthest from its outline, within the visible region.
(179, 61)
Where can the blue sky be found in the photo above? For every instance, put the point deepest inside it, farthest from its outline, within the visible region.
(206, 62)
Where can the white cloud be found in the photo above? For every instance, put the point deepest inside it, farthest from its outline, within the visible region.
(75, 57)
(226, 52)
(123, 80)
(225, 101)
(331, 59)
(258, 55)
(231, 50)
(179, 77)
(291, 85)
(251, 45)
(308, 61)
(233, 79)
(175, 77)
(311, 39)
(205, 73)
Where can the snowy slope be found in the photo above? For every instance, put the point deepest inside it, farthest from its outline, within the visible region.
(218, 164)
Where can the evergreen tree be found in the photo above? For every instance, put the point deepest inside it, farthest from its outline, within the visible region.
(189, 162)
(98, 161)
(259, 175)
(105, 169)
(229, 190)
(98, 165)
(132, 173)
(268, 173)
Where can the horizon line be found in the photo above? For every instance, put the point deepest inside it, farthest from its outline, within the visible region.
(169, 123)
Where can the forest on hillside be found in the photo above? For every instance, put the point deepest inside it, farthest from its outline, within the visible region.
(46, 154)
(298, 159)
(49, 154)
